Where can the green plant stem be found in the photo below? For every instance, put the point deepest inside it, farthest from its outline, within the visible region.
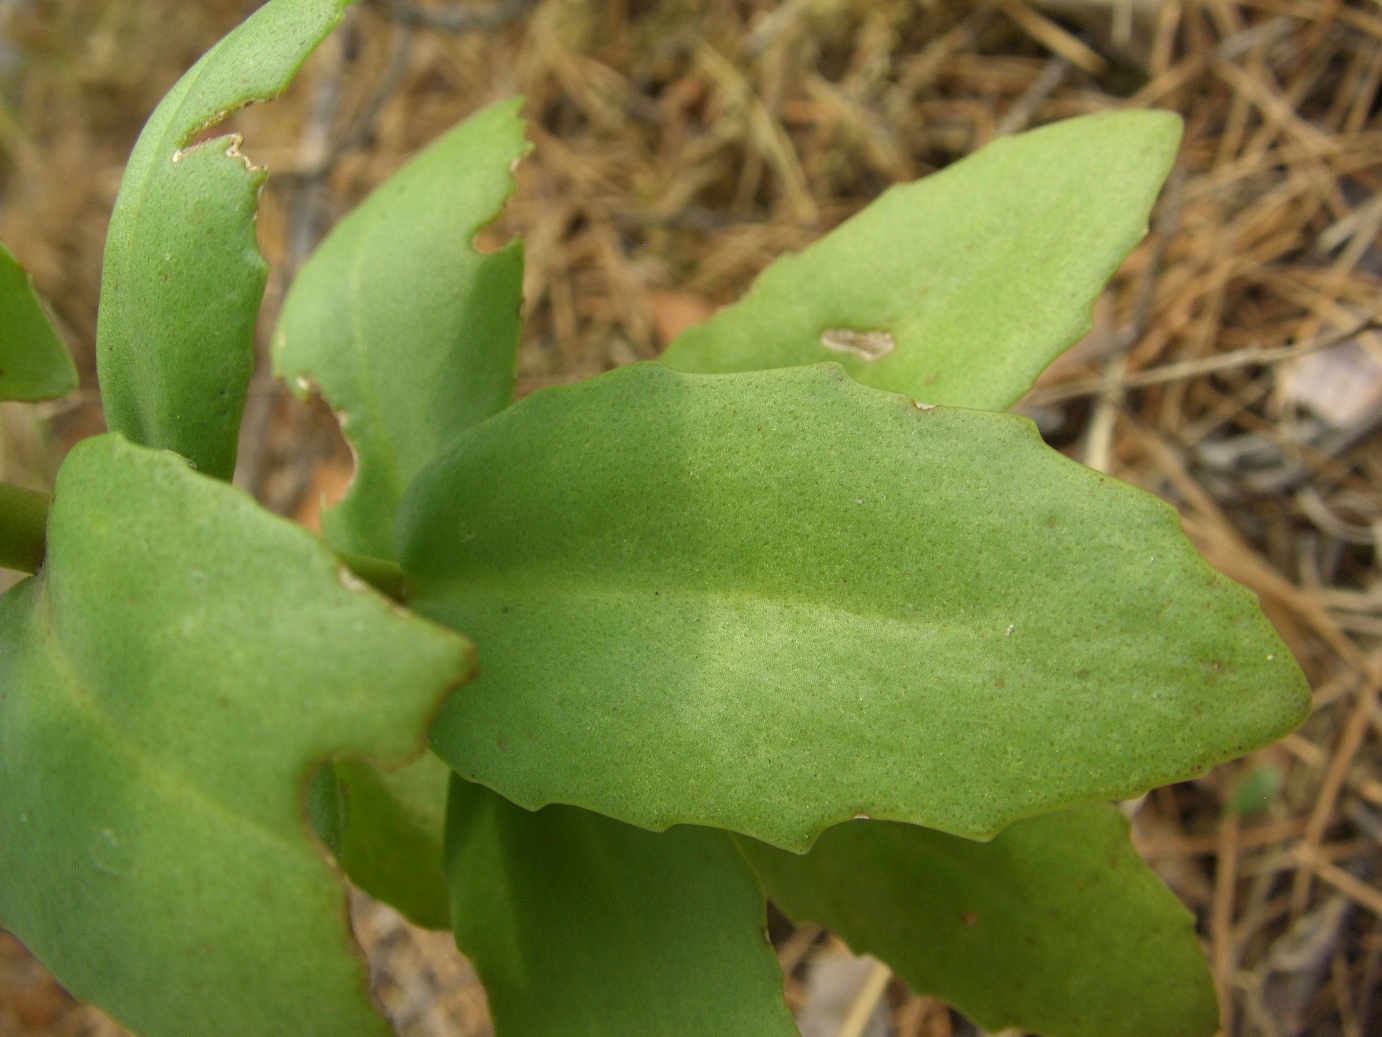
(23, 525)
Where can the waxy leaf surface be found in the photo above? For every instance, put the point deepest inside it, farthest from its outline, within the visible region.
(958, 288)
(34, 364)
(410, 333)
(168, 681)
(769, 602)
(1056, 927)
(580, 925)
(183, 277)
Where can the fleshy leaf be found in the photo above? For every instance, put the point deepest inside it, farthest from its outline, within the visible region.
(410, 333)
(390, 833)
(1056, 927)
(769, 602)
(958, 288)
(183, 277)
(34, 364)
(578, 924)
(167, 683)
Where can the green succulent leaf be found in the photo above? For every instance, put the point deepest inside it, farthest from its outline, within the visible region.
(168, 681)
(1056, 927)
(578, 924)
(34, 364)
(958, 288)
(183, 277)
(390, 832)
(410, 333)
(769, 602)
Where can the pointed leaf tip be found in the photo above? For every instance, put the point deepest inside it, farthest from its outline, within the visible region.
(34, 363)
(961, 287)
(769, 602)
(182, 277)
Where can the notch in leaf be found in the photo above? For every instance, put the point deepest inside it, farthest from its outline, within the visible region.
(183, 277)
(409, 332)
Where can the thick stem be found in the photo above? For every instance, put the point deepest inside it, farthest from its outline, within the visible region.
(23, 528)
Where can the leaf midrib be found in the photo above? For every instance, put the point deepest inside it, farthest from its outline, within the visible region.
(387, 452)
(569, 593)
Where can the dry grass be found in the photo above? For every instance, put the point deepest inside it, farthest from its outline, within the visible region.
(682, 145)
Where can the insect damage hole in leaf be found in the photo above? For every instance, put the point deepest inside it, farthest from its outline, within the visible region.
(946, 265)
(765, 602)
(183, 277)
(409, 330)
(871, 345)
(407, 319)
